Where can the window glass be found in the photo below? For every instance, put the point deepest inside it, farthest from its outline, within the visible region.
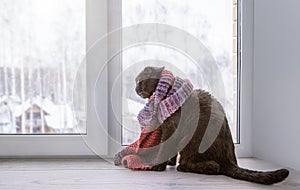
(213, 23)
(42, 72)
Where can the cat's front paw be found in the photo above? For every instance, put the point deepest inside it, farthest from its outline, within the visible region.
(117, 160)
(159, 168)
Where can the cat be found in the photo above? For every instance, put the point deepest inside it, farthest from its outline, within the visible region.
(184, 132)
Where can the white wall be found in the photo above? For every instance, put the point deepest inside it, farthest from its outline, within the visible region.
(276, 85)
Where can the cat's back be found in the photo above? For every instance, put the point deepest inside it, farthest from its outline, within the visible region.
(205, 101)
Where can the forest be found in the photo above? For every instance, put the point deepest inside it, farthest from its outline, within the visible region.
(42, 51)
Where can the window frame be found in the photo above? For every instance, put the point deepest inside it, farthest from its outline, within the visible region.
(245, 69)
(102, 17)
(245, 66)
(94, 142)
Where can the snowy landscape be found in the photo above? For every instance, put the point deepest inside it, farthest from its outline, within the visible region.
(42, 73)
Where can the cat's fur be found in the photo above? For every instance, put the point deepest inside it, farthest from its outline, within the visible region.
(184, 131)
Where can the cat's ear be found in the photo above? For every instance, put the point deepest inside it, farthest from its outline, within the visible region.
(160, 69)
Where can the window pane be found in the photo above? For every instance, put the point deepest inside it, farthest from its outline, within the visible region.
(42, 72)
(213, 22)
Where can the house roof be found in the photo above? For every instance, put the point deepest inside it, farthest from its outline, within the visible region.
(58, 116)
(10, 99)
(43, 103)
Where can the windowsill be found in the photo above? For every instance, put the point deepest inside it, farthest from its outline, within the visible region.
(100, 174)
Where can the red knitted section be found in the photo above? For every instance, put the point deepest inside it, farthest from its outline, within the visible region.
(146, 140)
(134, 162)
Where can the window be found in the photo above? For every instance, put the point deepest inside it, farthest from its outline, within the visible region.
(95, 82)
(42, 68)
(213, 23)
(51, 51)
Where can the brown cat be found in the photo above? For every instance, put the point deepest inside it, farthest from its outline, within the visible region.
(186, 131)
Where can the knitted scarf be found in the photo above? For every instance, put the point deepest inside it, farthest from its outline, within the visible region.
(161, 105)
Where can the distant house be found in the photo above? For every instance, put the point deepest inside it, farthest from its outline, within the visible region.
(34, 121)
(10, 99)
(6, 121)
(39, 115)
(43, 116)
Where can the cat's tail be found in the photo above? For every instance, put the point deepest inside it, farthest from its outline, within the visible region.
(266, 178)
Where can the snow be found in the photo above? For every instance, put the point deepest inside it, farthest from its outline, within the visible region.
(42, 45)
(58, 116)
(62, 118)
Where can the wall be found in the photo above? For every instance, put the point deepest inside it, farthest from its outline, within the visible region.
(276, 78)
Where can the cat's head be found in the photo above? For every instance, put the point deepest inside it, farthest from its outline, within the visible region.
(147, 80)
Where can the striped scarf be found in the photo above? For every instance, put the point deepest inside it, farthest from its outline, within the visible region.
(161, 105)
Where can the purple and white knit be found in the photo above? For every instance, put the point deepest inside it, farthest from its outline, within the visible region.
(164, 102)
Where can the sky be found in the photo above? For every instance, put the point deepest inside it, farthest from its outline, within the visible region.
(35, 29)
(188, 15)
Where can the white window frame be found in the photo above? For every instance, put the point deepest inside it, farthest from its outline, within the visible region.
(243, 148)
(95, 141)
(102, 16)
